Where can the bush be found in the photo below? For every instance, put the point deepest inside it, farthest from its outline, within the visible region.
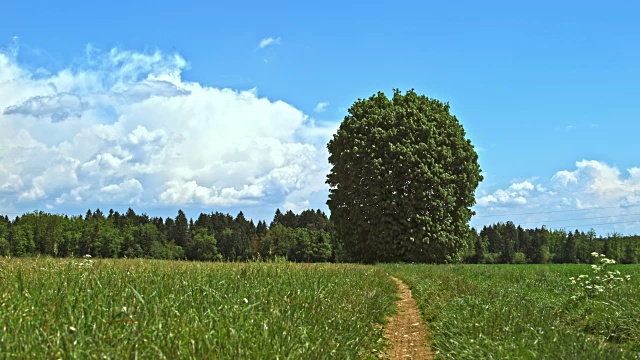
(519, 258)
(4, 247)
(490, 258)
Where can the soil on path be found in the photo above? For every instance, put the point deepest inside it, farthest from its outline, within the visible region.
(405, 330)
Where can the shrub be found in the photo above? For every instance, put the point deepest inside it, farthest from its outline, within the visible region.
(519, 258)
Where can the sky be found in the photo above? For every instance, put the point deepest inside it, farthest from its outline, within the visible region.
(207, 106)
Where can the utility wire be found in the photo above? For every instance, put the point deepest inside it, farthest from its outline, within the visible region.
(559, 211)
(611, 223)
(587, 218)
(583, 225)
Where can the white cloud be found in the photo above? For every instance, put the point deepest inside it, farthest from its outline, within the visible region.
(565, 177)
(599, 183)
(594, 191)
(321, 107)
(129, 190)
(515, 194)
(126, 128)
(525, 185)
(269, 41)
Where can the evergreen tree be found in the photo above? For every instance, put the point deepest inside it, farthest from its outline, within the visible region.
(181, 233)
(570, 249)
(508, 237)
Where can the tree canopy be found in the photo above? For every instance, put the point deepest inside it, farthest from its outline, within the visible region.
(402, 181)
(303, 237)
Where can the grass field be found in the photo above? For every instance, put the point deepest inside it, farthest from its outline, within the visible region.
(525, 311)
(53, 308)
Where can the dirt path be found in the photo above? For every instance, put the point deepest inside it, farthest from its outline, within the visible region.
(405, 329)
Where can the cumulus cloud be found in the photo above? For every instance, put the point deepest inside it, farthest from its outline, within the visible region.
(515, 194)
(269, 41)
(321, 107)
(126, 128)
(598, 184)
(594, 190)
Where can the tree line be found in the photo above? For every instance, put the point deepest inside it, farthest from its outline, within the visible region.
(304, 237)
(504, 243)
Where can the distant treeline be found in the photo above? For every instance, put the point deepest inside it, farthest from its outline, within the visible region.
(504, 243)
(302, 238)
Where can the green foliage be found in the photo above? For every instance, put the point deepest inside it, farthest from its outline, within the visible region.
(601, 282)
(402, 181)
(5, 247)
(570, 249)
(542, 245)
(523, 312)
(311, 246)
(489, 258)
(299, 245)
(508, 239)
(203, 247)
(306, 237)
(21, 240)
(480, 247)
(150, 309)
(519, 258)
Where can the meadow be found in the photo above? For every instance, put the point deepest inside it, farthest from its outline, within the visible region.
(526, 311)
(85, 308)
(53, 308)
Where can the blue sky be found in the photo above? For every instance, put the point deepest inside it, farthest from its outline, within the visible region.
(546, 92)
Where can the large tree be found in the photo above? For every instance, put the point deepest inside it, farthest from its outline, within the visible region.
(403, 180)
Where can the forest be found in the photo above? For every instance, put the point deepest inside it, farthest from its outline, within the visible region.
(305, 237)
(212, 237)
(506, 243)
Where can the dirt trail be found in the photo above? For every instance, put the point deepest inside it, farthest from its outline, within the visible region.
(405, 329)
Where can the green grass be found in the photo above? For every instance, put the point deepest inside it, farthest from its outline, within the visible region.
(58, 309)
(524, 312)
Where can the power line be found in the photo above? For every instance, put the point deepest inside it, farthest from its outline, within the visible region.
(588, 218)
(611, 223)
(583, 225)
(559, 211)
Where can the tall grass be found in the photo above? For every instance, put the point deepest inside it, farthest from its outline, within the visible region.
(162, 309)
(524, 312)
